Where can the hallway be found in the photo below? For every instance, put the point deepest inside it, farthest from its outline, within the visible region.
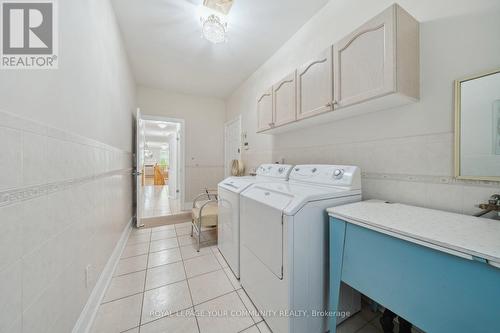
(157, 202)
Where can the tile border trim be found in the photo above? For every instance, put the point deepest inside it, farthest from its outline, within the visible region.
(446, 180)
(20, 194)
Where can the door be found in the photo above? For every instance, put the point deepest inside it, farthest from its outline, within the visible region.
(364, 61)
(284, 100)
(265, 111)
(232, 144)
(314, 86)
(139, 171)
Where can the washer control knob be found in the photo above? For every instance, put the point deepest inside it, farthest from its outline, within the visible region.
(314, 170)
(338, 173)
(280, 170)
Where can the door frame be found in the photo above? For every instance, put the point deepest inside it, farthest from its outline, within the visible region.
(181, 158)
(226, 126)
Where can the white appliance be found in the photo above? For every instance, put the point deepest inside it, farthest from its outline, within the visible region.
(284, 246)
(228, 234)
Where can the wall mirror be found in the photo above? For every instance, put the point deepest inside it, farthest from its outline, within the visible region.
(477, 127)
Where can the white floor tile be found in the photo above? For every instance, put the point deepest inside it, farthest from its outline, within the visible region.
(164, 257)
(163, 228)
(252, 329)
(220, 257)
(165, 234)
(182, 225)
(233, 315)
(189, 251)
(234, 281)
(132, 264)
(207, 286)
(119, 315)
(249, 305)
(165, 301)
(134, 330)
(200, 265)
(186, 240)
(164, 244)
(181, 322)
(263, 328)
(136, 239)
(125, 285)
(135, 250)
(140, 231)
(183, 231)
(165, 274)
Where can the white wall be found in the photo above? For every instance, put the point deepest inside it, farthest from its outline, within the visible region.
(406, 153)
(65, 185)
(204, 119)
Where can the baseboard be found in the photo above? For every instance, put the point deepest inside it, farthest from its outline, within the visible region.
(86, 319)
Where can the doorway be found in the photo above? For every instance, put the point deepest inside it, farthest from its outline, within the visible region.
(160, 169)
(232, 143)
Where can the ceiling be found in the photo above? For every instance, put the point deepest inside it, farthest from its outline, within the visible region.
(166, 50)
(157, 137)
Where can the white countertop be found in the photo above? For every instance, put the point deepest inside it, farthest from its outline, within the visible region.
(467, 235)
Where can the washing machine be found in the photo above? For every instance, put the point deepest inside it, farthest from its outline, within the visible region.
(228, 231)
(284, 246)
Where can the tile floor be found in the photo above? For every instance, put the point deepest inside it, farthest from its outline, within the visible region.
(162, 284)
(156, 202)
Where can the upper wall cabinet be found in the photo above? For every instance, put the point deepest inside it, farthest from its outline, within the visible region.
(379, 58)
(375, 67)
(265, 111)
(284, 100)
(314, 86)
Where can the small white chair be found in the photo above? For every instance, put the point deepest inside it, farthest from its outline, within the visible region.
(205, 213)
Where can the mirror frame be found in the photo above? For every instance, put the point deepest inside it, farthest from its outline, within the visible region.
(458, 84)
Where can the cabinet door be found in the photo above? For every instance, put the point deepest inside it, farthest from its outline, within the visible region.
(364, 61)
(265, 111)
(314, 86)
(284, 101)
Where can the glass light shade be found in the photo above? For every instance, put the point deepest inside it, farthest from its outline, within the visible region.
(213, 29)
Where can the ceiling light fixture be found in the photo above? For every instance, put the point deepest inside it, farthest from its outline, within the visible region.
(214, 29)
(221, 6)
(162, 125)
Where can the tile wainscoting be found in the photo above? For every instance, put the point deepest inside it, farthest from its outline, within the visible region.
(64, 203)
(415, 170)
